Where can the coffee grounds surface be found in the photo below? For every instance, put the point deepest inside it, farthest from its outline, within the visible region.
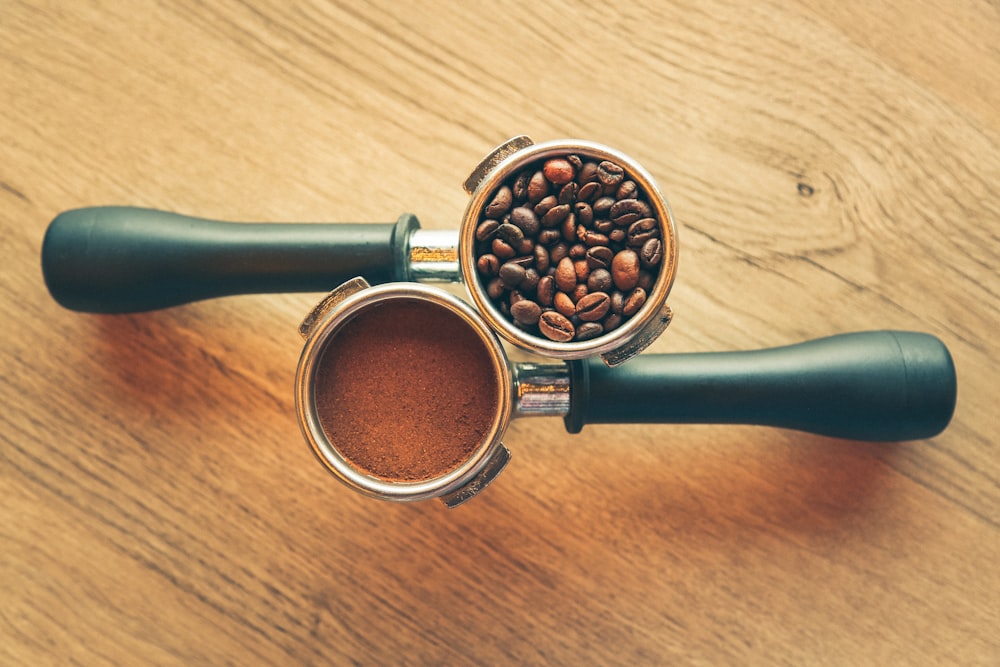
(406, 390)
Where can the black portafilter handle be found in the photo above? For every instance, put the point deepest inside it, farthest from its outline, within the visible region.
(876, 386)
(123, 259)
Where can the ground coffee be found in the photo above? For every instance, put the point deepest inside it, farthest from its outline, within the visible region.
(406, 390)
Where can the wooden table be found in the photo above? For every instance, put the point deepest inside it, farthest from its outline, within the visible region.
(833, 167)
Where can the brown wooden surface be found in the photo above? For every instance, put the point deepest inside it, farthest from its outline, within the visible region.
(833, 167)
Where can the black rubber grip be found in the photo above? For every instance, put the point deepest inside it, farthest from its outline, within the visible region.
(878, 386)
(121, 259)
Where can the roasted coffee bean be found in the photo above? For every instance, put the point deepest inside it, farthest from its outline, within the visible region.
(584, 214)
(599, 280)
(488, 265)
(541, 259)
(612, 321)
(511, 234)
(547, 237)
(526, 312)
(625, 269)
(587, 173)
(568, 193)
(626, 211)
(582, 270)
(610, 174)
(604, 226)
(543, 207)
(546, 290)
(599, 257)
(502, 249)
(520, 187)
(555, 215)
(556, 327)
(527, 247)
(557, 252)
(575, 161)
(530, 281)
(486, 230)
(641, 231)
(511, 274)
(595, 238)
(593, 306)
(589, 330)
(559, 171)
(523, 260)
(500, 204)
(651, 252)
(514, 297)
(565, 275)
(579, 292)
(617, 302)
(538, 187)
(578, 251)
(602, 206)
(634, 301)
(627, 190)
(568, 228)
(563, 303)
(646, 280)
(589, 191)
(495, 288)
(617, 235)
(524, 219)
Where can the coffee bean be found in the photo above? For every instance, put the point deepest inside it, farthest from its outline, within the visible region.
(559, 171)
(589, 330)
(584, 214)
(568, 228)
(488, 265)
(604, 226)
(625, 269)
(593, 306)
(530, 281)
(527, 247)
(646, 280)
(543, 207)
(500, 204)
(555, 215)
(556, 327)
(634, 301)
(564, 304)
(627, 190)
(610, 174)
(538, 187)
(557, 252)
(579, 292)
(617, 302)
(526, 312)
(626, 211)
(599, 280)
(547, 237)
(589, 191)
(495, 288)
(519, 188)
(599, 257)
(486, 230)
(651, 252)
(546, 290)
(541, 258)
(578, 251)
(587, 173)
(568, 193)
(524, 219)
(602, 206)
(502, 249)
(511, 274)
(575, 161)
(511, 234)
(565, 275)
(595, 239)
(612, 321)
(617, 235)
(641, 231)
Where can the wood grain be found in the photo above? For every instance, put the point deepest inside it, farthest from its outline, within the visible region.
(833, 167)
